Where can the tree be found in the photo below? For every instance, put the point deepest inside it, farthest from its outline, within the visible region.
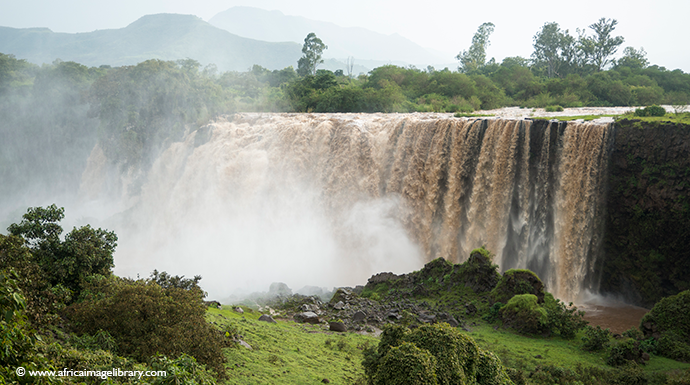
(553, 49)
(84, 252)
(600, 47)
(633, 58)
(312, 50)
(475, 58)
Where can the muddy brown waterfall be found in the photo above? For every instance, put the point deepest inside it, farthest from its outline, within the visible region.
(344, 196)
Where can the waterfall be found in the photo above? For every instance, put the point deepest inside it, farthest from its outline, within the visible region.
(342, 196)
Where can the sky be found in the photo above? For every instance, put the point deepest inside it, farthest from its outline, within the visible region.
(448, 26)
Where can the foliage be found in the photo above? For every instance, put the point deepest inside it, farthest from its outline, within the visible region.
(183, 370)
(311, 55)
(523, 313)
(18, 344)
(555, 108)
(406, 364)
(669, 318)
(457, 357)
(518, 281)
(595, 339)
(563, 320)
(623, 352)
(600, 47)
(650, 111)
(553, 49)
(146, 319)
(85, 252)
(474, 59)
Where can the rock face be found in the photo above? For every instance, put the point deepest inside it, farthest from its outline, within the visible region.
(648, 212)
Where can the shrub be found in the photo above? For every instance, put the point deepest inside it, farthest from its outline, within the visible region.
(653, 110)
(402, 356)
(623, 352)
(668, 322)
(406, 364)
(555, 108)
(146, 319)
(563, 320)
(518, 281)
(524, 314)
(595, 339)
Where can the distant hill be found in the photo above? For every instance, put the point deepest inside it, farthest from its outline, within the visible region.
(362, 44)
(161, 36)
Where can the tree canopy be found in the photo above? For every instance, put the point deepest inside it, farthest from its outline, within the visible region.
(311, 55)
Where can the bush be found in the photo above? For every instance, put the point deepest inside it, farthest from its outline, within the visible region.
(518, 281)
(406, 364)
(595, 339)
(146, 319)
(653, 110)
(668, 322)
(623, 352)
(402, 356)
(524, 314)
(555, 108)
(563, 320)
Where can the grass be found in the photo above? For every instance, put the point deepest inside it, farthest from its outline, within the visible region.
(470, 115)
(290, 353)
(683, 118)
(526, 353)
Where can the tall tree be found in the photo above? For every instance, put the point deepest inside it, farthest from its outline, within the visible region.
(311, 55)
(475, 58)
(600, 47)
(553, 49)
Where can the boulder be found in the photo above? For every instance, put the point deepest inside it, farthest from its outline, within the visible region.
(337, 327)
(307, 317)
(238, 310)
(359, 316)
(267, 318)
(340, 305)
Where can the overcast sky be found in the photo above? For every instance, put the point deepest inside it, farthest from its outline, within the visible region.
(661, 27)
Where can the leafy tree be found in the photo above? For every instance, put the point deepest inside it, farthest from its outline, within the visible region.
(475, 58)
(84, 252)
(553, 49)
(633, 58)
(311, 50)
(146, 319)
(599, 48)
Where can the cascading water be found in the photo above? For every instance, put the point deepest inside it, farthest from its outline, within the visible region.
(333, 198)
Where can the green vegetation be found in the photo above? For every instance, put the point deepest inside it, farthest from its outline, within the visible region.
(63, 308)
(668, 323)
(289, 353)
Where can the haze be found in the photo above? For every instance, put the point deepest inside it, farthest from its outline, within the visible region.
(442, 26)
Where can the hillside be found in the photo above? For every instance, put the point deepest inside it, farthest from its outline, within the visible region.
(161, 36)
(362, 44)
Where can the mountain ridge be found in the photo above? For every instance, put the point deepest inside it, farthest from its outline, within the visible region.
(157, 36)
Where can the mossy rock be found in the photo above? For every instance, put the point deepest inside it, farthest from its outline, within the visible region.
(479, 273)
(437, 268)
(515, 282)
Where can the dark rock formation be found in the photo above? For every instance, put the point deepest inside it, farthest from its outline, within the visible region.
(267, 318)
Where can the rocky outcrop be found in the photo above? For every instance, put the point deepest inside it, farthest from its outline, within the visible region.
(646, 254)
